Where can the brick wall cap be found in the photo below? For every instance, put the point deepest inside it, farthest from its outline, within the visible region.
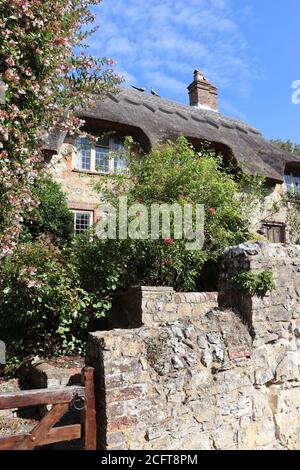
(196, 297)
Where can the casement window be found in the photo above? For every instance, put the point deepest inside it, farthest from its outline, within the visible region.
(292, 182)
(274, 232)
(83, 220)
(105, 156)
(83, 154)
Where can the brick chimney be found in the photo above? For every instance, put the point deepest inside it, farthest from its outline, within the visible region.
(202, 93)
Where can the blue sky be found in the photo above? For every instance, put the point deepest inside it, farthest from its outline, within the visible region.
(248, 48)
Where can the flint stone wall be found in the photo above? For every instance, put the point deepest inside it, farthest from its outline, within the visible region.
(226, 378)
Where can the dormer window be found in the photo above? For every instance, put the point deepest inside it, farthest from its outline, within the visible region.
(292, 181)
(106, 156)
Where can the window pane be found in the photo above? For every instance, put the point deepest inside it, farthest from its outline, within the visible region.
(288, 182)
(118, 145)
(120, 165)
(297, 183)
(82, 222)
(102, 159)
(83, 159)
(103, 141)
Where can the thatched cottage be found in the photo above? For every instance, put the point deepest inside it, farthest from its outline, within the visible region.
(151, 120)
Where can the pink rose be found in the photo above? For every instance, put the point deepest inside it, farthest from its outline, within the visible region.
(169, 241)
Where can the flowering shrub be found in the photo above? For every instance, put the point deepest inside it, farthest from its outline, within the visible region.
(43, 308)
(109, 266)
(48, 76)
(173, 173)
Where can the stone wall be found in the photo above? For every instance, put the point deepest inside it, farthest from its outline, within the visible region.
(224, 378)
(153, 305)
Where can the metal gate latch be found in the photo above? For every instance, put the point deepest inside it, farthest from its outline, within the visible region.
(78, 402)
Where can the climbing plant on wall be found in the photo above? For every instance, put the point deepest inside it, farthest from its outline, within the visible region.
(46, 75)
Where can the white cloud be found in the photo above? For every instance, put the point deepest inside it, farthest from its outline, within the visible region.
(165, 82)
(160, 43)
(229, 108)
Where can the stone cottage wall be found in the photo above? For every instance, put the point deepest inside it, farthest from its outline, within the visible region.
(225, 378)
(78, 186)
(271, 209)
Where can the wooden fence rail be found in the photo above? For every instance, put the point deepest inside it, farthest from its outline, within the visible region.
(61, 400)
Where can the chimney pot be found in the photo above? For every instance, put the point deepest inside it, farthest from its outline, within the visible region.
(202, 93)
(198, 75)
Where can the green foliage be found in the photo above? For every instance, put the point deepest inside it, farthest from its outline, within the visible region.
(293, 217)
(108, 266)
(288, 146)
(52, 215)
(173, 173)
(291, 202)
(44, 310)
(254, 283)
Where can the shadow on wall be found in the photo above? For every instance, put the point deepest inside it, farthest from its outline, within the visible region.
(209, 277)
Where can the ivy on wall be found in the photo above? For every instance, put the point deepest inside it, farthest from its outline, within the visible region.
(254, 283)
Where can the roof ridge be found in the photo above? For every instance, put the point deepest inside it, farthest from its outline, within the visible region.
(177, 106)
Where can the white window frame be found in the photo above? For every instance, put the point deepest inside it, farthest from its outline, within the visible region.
(80, 211)
(292, 187)
(93, 169)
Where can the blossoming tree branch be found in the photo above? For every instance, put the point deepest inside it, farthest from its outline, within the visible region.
(47, 75)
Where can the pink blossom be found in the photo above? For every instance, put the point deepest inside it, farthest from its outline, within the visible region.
(11, 76)
(169, 241)
(212, 211)
(10, 61)
(31, 283)
(31, 269)
(60, 41)
(44, 96)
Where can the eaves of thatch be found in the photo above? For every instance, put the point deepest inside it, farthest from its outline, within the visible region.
(157, 119)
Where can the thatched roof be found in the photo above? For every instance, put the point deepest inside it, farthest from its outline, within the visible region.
(159, 119)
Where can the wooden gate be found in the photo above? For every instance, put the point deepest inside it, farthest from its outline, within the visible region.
(61, 399)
